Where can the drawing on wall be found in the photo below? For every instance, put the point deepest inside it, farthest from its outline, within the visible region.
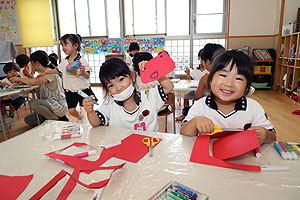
(9, 21)
(151, 45)
(102, 46)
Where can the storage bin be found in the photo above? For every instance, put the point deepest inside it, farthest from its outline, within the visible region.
(262, 69)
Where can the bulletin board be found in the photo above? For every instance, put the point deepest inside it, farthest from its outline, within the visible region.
(102, 46)
(151, 45)
(9, 21)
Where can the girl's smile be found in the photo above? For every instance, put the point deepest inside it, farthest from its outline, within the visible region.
(228, 86)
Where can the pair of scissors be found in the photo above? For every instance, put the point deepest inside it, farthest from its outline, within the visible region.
(218, 129)
(150, 143)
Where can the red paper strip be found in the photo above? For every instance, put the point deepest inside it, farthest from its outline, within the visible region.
(157, 67)
(12, 186)
(235, 145)
(200, 154)
(63, 173)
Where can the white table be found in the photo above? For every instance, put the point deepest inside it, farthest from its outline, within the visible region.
(8, 93)
(24, 155)
(186, 85)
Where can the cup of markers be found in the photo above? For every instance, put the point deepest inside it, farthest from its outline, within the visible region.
(287, 150)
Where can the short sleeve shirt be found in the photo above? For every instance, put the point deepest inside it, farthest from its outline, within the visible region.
(117, 116)
(246, 111)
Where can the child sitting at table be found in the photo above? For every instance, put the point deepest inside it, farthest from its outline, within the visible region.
(52, 102)
(125, 107)
(14, 101)
(24, 62)
(227, 105)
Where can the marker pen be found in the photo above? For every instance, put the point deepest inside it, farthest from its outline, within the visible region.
(257, 152)
(296, 148)
(84, 95)
(288, 154)
(272, 168)
(193, 194)
(85, 154)
(280, 150)
(291, 150)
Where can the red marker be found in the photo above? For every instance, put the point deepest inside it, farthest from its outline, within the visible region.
(257, 152)
(287, 152)
(85, 154)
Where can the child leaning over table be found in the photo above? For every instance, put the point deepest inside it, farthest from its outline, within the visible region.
(226, 106)
(14, 101)
(124, 106)
(24, 62)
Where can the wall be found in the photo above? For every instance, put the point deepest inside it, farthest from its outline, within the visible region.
(253, 23)
(290, 11)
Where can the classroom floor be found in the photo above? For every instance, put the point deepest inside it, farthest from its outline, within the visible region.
(277, 106)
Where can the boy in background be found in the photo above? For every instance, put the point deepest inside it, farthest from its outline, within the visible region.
(133, 49)
(24, 62)
(16, 100)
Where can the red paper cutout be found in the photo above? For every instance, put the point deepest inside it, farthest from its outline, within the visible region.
(131, 149)
(235, 145)
(157, 67)
(200, 154)
(12, 186)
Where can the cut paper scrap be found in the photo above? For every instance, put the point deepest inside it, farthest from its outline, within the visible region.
(12, 186)
(131, 149)
(235, 145)
(157, 67)
(200, 154)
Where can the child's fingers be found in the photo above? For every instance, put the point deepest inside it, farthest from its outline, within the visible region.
(92, 96)
(142, 65)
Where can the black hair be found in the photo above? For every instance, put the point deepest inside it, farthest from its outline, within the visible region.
(208, 51)
(73, 38)
(139, 57)
(113, 68)
(53, 58)
(237, 58)
(134, 46)
(41, 57)
(200, 52)
(10, 66)
(22, 60)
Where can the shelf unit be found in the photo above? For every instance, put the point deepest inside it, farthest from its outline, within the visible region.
(263, 71)
(287, 74)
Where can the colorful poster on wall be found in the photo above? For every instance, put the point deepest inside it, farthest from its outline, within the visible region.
(151, 45)
(9, 21)
(102, 46)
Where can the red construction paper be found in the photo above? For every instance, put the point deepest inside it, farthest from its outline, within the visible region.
(131, 149)
(157, 67)
(235, 145)
(12, 186)
(200, 154)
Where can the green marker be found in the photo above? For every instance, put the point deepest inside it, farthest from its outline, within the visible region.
(175, 197)
(295, 157)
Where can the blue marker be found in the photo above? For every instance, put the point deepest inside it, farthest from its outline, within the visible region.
(84, 95)
(280, 150)
(193, 194)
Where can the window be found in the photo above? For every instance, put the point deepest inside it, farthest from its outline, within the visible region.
(144, 17)
(85, 17)
(179, 51)
(210, 16)
(177, 17)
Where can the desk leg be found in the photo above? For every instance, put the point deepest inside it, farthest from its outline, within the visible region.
(3, 124)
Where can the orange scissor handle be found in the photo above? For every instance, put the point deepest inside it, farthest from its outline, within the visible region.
(217, 129)
(147, 142)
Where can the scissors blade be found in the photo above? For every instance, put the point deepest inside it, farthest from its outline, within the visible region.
(151, 151)
(232, 129)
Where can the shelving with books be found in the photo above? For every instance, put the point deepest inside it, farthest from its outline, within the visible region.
(287, 73)
(263, 60)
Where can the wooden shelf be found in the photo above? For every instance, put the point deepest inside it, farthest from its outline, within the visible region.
(262, 74)
(262, 61)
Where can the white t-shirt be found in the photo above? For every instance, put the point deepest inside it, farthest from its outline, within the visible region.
(116, 115)
(128, 61)
(197, 74)
(246, 111)
(72, 82)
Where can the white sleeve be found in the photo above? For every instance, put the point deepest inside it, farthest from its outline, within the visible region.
(86, 65)
(195, 110)
(157, 96)
(260, 118)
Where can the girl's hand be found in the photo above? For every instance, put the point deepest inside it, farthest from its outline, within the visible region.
(142, 65)
(82, 69)
(261, 133)
(204, 125)
(88, 104)
(187, 71)
(14, 79)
